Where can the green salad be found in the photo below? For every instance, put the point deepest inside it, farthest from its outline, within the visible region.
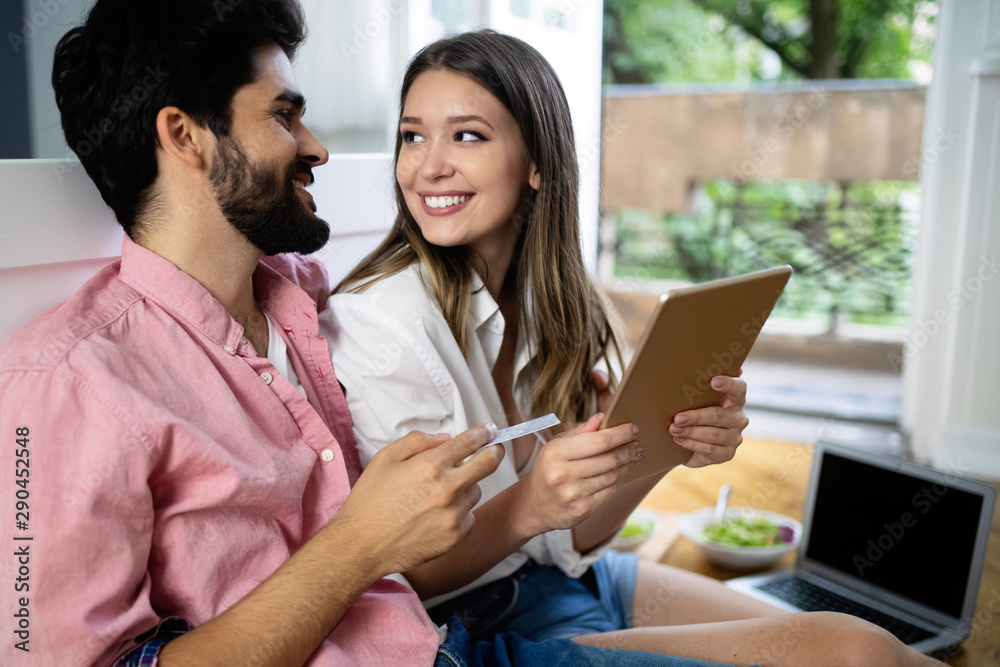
(741, 532)
(636, 527)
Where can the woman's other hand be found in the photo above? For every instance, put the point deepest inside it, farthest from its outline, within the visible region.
(714, 433)
(577, 471)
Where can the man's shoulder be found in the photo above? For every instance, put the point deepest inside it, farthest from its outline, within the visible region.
(47, 339)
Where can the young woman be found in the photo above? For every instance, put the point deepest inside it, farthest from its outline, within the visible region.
(477, 307)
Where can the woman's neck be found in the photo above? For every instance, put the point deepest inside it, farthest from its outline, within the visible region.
(498, 253)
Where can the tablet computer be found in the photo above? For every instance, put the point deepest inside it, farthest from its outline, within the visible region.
(696, 333)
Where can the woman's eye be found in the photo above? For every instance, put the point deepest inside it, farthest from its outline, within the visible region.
(411, 137)
(468, 135)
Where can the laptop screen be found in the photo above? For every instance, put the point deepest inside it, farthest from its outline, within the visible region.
(908, 535)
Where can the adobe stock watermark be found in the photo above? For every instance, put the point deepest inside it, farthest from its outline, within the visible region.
(33, 21)
(364, 35)
(610, 133)
(925, 330)
(795, 631)
(386, 361)
(765, 490)
(980, 621)
(795, 118)
(942, 141)
(647, 611)
(893, 532)
(121, 108)
(570, 7)
(795, 459)
(722, 362)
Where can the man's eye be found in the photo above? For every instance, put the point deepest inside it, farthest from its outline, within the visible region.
(411, 137)
(468, 135)
(286, 117)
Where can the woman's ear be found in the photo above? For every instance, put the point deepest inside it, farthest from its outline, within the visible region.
(534, 178)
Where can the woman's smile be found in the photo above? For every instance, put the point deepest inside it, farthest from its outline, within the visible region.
(444, 202)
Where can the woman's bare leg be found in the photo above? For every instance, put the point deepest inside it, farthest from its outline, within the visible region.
(686, 614)
(666, 595)
(799, 640)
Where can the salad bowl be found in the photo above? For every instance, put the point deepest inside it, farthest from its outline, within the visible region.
(735, 544)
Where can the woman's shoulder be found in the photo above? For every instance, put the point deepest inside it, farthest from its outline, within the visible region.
(400, 295)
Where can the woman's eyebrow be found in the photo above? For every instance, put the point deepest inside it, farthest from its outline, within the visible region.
(465, 119)
(453, 120)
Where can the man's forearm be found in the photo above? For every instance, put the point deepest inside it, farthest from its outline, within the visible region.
(284, 619)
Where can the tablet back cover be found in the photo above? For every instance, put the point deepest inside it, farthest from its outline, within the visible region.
(696, 333)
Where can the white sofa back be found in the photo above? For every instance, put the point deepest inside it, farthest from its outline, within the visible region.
(56, 232)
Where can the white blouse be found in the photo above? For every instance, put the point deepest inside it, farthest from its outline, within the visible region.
(402, 370)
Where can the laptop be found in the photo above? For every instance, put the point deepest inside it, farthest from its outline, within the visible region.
(895, 542)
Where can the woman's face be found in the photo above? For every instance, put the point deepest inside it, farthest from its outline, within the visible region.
(462, 167)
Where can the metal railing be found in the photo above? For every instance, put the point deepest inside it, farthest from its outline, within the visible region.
(850, 244)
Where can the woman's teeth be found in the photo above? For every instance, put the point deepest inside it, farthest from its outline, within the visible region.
(442, 202)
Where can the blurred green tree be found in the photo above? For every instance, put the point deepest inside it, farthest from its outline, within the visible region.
(661, 41)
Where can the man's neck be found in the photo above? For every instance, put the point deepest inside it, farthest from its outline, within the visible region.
(223, 262)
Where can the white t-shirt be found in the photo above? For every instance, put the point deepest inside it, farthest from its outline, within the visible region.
(277, 354)
(402, 370)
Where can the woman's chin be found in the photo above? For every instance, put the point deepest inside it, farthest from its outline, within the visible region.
(440, 240)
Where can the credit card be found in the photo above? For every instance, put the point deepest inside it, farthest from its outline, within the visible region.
(524, 428)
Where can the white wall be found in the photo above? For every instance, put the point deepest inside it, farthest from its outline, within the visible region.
(951, 361)
(56, 232)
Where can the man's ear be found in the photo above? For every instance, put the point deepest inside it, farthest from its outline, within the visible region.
(534, 178)
(181, 138)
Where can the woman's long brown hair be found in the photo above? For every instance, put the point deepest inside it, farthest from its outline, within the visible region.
(568, 322)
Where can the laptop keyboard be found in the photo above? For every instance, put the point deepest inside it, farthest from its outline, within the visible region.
(809, 597)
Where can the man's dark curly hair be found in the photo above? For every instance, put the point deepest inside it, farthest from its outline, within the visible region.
(113, 74)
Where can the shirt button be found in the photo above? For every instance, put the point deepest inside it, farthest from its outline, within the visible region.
(328, 455)
(228, 348)
(243, 340)
(266, 377)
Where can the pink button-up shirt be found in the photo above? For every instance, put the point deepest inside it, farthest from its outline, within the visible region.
(171, 469)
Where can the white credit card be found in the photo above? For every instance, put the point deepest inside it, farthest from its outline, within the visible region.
(524, 428)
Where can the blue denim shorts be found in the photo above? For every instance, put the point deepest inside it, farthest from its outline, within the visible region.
(540, 602)
(508, 649)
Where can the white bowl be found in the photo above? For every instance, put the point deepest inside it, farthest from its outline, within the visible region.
(642, 515)
(739, 557)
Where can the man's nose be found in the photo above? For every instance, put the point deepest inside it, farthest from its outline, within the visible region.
(310, 148)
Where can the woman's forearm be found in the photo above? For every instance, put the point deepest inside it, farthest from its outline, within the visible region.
(498, 532)
(607, 519)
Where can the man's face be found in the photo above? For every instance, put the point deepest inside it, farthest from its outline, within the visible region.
(259, 173)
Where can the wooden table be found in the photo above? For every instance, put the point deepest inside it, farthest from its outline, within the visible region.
(773, 476)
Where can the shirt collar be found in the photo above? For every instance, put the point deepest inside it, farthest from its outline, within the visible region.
(482, 305)
(183, 296)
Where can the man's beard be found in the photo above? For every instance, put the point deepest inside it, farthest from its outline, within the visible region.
(262, 205)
